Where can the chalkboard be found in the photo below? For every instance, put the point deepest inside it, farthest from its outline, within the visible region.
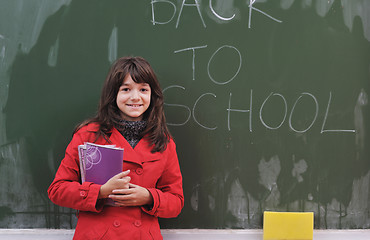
(267, 102)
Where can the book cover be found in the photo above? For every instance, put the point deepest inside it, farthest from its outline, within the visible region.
(98, 163)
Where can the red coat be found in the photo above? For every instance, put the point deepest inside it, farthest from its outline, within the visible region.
(158, 172)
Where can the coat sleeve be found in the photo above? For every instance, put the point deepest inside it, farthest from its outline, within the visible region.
(168, 198)
(66, 189)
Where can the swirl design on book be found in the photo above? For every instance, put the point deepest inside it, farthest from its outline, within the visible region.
(93, 157)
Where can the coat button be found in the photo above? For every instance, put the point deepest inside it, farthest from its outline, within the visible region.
(139, 171)
(137, 223)
(116, 223)
(83, 193)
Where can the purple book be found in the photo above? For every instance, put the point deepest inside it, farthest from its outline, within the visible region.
(98, 163)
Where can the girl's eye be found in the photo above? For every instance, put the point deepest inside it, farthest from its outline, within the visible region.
(144, 90)
(125, 89)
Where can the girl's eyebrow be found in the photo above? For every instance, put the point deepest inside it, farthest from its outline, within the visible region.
(129, 84)
(144, 85)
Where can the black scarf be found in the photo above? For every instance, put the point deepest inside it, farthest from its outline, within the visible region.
(131, 130)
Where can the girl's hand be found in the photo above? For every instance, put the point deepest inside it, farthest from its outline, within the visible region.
(133, 196)
(119, 181)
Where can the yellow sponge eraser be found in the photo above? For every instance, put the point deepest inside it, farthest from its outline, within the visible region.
(287, 225)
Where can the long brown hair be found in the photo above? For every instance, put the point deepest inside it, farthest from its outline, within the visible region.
(109, 114)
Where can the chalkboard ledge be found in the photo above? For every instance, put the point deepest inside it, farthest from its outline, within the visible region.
(184, 234)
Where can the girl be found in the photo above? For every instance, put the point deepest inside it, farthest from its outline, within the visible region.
(130, 116)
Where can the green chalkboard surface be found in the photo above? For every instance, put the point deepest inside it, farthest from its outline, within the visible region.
(267, 102)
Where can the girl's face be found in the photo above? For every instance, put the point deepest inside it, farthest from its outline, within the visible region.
(133, 99)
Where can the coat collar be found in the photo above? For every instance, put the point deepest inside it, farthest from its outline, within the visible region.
(140, 154)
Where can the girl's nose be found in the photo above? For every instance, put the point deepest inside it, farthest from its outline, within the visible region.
(134, 95)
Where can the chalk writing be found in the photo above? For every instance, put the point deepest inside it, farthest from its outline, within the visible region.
(195, 105)
(217, 15)
(198, 6)
(285, 110)
(177, 105)
(326, 116)
(195, 4)
(153, 12)
(251, 2)
(193, 62)
(229, 110)
(261, 109)
(214, 54)
(316, 113)
(211, 59)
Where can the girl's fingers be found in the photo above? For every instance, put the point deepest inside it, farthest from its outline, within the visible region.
(122, 174)
(131, 185)
(124, 179)
(122, 191)
(123, 199)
